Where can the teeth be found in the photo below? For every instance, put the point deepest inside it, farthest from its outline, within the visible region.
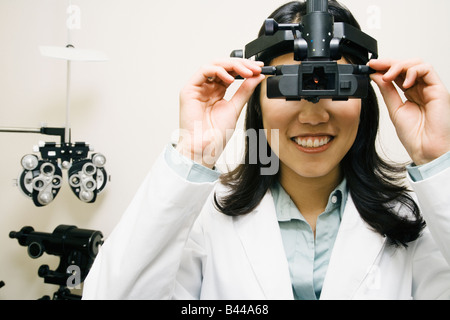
(316, 143)
(312, 142)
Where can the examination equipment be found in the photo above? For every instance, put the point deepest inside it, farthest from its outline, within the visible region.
(41, 178)
(77, 249)
(318, 43)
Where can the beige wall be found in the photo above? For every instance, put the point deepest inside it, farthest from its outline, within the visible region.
(127, 108)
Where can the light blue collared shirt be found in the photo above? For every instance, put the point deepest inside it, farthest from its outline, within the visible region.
(188, 169)
(308, 257)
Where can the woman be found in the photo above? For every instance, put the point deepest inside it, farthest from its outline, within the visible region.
(331, 223)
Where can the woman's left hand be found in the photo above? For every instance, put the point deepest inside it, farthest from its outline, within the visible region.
(423, 120)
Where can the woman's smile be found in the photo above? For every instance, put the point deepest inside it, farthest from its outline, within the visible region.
(313, 143)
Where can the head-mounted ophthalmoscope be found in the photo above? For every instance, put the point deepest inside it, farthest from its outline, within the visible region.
(318, 42)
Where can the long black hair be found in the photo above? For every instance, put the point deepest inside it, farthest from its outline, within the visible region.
(374, 184)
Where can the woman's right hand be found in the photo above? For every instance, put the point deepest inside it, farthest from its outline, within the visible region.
(205, 116)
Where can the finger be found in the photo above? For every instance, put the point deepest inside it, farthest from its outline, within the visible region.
(380, 64)
(230, 64)
(389, 92)
(424, 72)
(400, 67)
(216, 73)
(225, 71)
(406, 74)
(208, 73)
(245, 91)
(255, 66)
(242, 67)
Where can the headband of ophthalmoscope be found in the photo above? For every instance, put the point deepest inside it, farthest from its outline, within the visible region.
(317, 42)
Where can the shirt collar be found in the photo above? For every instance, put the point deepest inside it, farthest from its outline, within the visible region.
(286, 209)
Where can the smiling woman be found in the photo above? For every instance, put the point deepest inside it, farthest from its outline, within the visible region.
(350, 129)
(334, 222)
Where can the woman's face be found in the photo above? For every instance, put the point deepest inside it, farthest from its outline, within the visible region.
(313, 138)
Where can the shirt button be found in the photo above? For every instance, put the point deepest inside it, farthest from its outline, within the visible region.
(334, 199)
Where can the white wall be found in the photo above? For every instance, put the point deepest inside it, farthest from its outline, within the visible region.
(127, 108)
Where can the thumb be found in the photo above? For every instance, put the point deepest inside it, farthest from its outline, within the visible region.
(389, 92)
(245, 91)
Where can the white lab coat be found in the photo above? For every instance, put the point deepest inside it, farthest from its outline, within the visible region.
(164, 248)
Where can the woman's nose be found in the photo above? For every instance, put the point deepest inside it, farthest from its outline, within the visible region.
(313, 114)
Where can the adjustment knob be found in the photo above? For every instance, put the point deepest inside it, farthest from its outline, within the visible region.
(237, 54)
(270, 27)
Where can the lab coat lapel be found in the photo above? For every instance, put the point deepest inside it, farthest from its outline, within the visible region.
(355, 251)
(261, 238)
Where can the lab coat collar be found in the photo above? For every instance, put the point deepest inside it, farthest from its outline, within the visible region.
(261, 238)
(355, 251)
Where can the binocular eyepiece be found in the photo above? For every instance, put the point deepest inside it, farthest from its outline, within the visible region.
(41, 179)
